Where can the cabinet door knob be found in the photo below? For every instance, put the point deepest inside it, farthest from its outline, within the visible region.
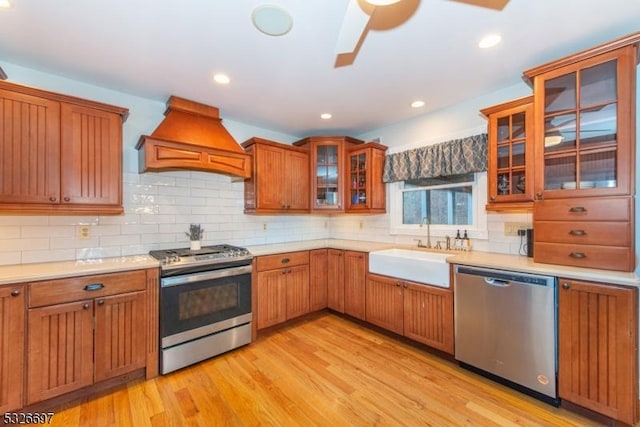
(100, 302)
(539, 195)
(577, 255)
(15, 292)
(67, 198)
(53, 199)
(85, 306)
(565, 285)
(493, 198)
(406, 285)
(398, 283)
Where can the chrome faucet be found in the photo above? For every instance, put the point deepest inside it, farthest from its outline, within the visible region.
(425, 220)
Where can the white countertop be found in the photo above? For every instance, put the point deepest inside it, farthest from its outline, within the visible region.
(55, 270)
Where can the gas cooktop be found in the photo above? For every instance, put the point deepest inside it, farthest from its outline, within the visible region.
(206, 255)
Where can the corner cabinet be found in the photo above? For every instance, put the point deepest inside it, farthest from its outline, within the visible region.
(365, 190)
(279, 182)
(12, 346)
(598, 348)
(510, 172)
(327, 166)
(584, 108)
(61, 154)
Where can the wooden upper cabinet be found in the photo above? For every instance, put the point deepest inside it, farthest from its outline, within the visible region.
(12, 346)
(91, 156)
(510, 174)
(584, 108)
(327, 170)
(60, 154)
(279, 182)
(598, 348)
(366, 193)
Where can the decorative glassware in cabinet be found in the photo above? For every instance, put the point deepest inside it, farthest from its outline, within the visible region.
(358, 179)
(327, 176)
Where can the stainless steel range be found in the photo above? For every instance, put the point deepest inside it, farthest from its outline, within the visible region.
(205, 303)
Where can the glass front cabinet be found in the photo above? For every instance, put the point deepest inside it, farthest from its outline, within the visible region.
(510, 173)
(366, 191)
(584, 109)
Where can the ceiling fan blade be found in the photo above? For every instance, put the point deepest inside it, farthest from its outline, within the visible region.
(491, 4)
(354, 24)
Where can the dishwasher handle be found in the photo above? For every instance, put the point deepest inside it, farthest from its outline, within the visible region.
(497, 282)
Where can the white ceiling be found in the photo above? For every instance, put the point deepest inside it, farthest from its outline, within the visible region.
(157, 48)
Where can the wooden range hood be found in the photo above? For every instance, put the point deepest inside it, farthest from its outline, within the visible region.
(191, 137)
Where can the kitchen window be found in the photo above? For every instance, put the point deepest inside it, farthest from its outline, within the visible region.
(450, 203)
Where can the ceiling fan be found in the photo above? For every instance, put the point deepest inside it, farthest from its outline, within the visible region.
(360, 13)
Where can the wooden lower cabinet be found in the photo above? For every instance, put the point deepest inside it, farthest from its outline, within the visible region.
(598, 348)
(318, 276)
(420, 312)
(282, 288)
(12, 346)
(355, 272)
(75, 342)
(335, 280)
(119, 339)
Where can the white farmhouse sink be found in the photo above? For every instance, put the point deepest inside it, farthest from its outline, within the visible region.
(418, 266)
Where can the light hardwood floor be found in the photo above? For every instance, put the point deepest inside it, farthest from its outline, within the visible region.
(322, 371)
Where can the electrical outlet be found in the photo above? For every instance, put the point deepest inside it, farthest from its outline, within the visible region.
(361, 225)
(84, 232)
(264, 226)
(511, 228)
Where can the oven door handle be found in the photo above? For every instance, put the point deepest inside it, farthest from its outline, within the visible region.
(207, 275)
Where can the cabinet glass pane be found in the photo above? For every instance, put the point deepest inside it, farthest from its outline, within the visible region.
(503, 184)
(598, 125)
(598, 169)
(598, 84)
(503, 156)
(559, 132)
(560, 173)
(560, 93)
(322, 155)
(518, 182)
(517, 154)
(517, 126)
(503, 129)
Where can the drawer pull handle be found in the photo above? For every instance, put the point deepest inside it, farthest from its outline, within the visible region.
(15, 292)
(94, 287)
(577, 255)
(577, 209)
(285, 260)
(577, 233)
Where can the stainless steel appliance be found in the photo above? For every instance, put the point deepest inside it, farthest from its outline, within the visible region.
(505, 328)
(205, 303)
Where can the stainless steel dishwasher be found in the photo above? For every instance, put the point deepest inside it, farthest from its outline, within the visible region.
(505, 328)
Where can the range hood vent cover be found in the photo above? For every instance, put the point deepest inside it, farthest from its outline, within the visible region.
(192, 137)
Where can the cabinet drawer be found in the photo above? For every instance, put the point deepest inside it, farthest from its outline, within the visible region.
(584, 209)
(289, 259)
(589, 256)
(584, 232)
(58, 291)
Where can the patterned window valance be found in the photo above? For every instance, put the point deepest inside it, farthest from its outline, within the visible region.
(453, 157)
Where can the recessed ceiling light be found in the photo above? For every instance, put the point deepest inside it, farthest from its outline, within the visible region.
(489, 41)
(5, 4)
(272, 20)
(417, 104)
(221, 78)
(325, 116)
(382, 2)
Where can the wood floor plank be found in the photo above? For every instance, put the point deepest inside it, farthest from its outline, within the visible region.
(322, 371)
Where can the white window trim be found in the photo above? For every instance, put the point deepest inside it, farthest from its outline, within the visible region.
(476, 231)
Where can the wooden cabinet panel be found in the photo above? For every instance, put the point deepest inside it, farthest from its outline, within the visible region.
(355, 271)
(12, 346)
(29, 139)
(296, 183)
(585, 209)
(297, 284)
(581, 255)
(272, 298)
(384, 303)
(365, 190)
(60, 349)
(318, 277)
(269, 169)
(119, 339)
(91, 156)
(287, 259)
(584, 233)
(335, 281)
(428, 316)
(598, 348)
